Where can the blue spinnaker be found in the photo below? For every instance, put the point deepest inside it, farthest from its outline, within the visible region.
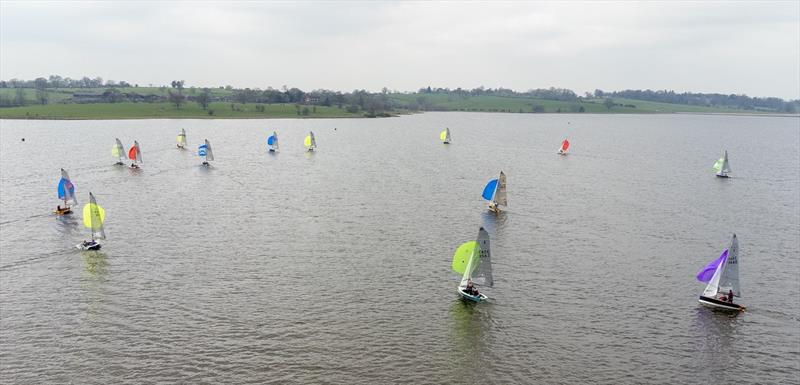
(64, 186)
(202, 150)
(271, 140)
(488, 191)
(707, 272)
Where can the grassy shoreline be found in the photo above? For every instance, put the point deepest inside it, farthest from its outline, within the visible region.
(227, 110)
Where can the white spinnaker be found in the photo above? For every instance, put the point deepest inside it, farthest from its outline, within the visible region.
(483, 273)
(500, 196)
(729, 279)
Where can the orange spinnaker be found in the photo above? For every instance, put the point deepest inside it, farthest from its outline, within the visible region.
(564, 145)
(132, 153)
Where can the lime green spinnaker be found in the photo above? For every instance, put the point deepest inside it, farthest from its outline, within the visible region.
(718, 164)
(464, 253)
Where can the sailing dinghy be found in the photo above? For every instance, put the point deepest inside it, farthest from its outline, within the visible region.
(564, 147)
(310, 142)
(93, 217)
(445, 136)
(118, 151)
(204, 150)
(495, 193)
(722, 278)
(182, 139)
(272, 142)
(721, 166)
(135, 155)
(473, 261)
(66, 192)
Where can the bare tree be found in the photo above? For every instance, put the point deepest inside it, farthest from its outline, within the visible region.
(176, 98)
(204, 98)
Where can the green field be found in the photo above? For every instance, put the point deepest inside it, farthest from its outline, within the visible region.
(489, 103)
(167, 110)
(64, 103)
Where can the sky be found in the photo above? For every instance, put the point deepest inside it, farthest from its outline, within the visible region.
(748, 48)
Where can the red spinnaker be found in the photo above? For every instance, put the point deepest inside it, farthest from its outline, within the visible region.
(564, 145)
(132, 153)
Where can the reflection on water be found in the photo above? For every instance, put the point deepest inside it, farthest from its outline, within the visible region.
(95, 264)
(715, 334)
(494, 223)
(68, 224)
(470, 326)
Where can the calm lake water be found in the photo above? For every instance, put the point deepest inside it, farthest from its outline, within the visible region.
(334, 267)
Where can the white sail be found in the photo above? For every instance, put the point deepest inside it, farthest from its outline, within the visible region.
(729, 278)
(447, 135)
(313, 140)
(483, 273)
(468, 270)
(209, 153)
(500, 196)
(275, 143)
(726, 168)
(69, 192)
(119, 151)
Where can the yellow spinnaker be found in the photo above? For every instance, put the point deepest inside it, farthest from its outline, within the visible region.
(443, 135)
(463, 253)
(93, 216)
(307, 141)
(115, 151)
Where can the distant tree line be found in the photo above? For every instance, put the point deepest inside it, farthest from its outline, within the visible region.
(56, 81)
(706, 100)
(551, 93)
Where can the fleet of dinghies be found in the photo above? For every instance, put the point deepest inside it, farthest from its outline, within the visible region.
(472, 259)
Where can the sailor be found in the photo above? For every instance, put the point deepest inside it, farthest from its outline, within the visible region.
(471, 288)
(730, 296)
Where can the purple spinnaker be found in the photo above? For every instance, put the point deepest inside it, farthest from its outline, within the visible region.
(707, 273)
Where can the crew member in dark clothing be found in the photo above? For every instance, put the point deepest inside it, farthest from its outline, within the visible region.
(730, 296)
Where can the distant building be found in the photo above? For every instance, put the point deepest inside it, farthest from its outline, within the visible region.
(310, 99)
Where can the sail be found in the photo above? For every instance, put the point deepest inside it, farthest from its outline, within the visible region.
(564, 145)
(730, 272)
(272, 141)
(118, 151)
(182, 138)
(488, 191)
(445, 135)
(708, 271)
(66, 190)
(135, 154)
(500, 197)
(463, 255)
(712, 288)
(725, 166)
(209, 153)
(309, 141)
(483, 272)
(93, 217)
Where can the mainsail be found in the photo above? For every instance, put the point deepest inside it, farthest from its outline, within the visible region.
(272, 141)
(93, 217)
(118, 151)
(483, 273)
(182, 138)
(66, 190)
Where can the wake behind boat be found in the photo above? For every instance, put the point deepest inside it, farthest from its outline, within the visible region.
(474, 257)
(722, 277)
(93, 218)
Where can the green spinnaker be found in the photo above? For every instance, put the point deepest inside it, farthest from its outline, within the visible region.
(463, 254)
(718, 164)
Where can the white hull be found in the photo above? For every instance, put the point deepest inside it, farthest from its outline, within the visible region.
(90, 246)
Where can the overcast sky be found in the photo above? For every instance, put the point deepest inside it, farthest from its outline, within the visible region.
(726, 47)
